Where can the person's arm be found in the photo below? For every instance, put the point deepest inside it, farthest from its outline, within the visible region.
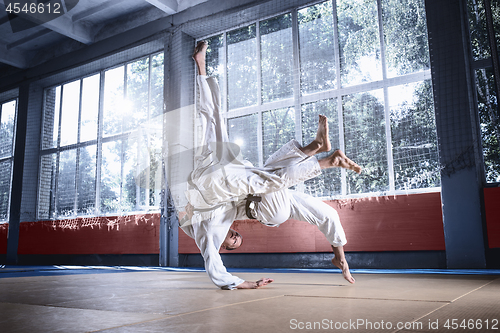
(254, 285)
(213, 263)
(209, 235)
(217, 271)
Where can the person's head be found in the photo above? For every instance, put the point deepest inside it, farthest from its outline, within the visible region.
(233, 240)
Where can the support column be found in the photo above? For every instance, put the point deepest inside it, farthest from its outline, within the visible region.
(178, 139)
(17, 175)
(456, 120)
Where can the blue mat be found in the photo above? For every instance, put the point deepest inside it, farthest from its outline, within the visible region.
(7, 271)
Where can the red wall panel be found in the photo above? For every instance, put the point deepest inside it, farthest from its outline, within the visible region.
(391, 223)
(4, 229)
(137, 234)
(492, 207)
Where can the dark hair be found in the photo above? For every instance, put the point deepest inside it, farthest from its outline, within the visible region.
(234, 248)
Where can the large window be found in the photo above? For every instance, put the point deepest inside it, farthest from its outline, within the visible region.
(364, 64)
(484, 21)
(8, 112)
(102, 142)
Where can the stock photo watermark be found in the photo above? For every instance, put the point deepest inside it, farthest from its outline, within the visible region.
(25, 14)
(365, 324)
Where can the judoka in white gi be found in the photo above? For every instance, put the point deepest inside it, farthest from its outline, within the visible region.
(222, 183)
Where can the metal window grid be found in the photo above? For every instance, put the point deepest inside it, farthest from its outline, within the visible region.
(338, 92)
(9, 158)
(490, 62)
(98, 141)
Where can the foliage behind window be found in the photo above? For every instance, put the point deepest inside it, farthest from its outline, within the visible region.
(101, 141)
(8, 111)
(487, 86)
(364, 64)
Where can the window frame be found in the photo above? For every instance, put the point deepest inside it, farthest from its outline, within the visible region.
(483, 63)
(98, 142)
(11, 157)
(338, 92)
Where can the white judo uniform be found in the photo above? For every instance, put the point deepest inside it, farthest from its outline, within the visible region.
(221, 180)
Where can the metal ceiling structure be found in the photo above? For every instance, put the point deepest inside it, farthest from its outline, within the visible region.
(30, 34)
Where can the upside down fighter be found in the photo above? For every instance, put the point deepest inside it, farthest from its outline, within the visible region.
(223, 188)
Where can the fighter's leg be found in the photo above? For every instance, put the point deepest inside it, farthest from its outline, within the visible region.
(209, 106)
(208, 100)
(314, 211)
(209, 88)
(216, 152)
(322, 142)
(340, 261)
(199, 56)
(339, 160)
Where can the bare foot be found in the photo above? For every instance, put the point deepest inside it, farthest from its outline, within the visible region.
(199, 55)
(322, 141)
(339, 160)
(322, 135)
(344, 267)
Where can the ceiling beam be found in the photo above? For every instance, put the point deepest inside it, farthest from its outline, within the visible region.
(66, 27)
(27, 39)
(185, 4)
(168, 6)
(95, 9)
(12, 57)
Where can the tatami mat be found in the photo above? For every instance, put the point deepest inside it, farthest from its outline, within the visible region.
(118, 299)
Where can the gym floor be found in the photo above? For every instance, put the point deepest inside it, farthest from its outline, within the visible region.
(156, 299)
